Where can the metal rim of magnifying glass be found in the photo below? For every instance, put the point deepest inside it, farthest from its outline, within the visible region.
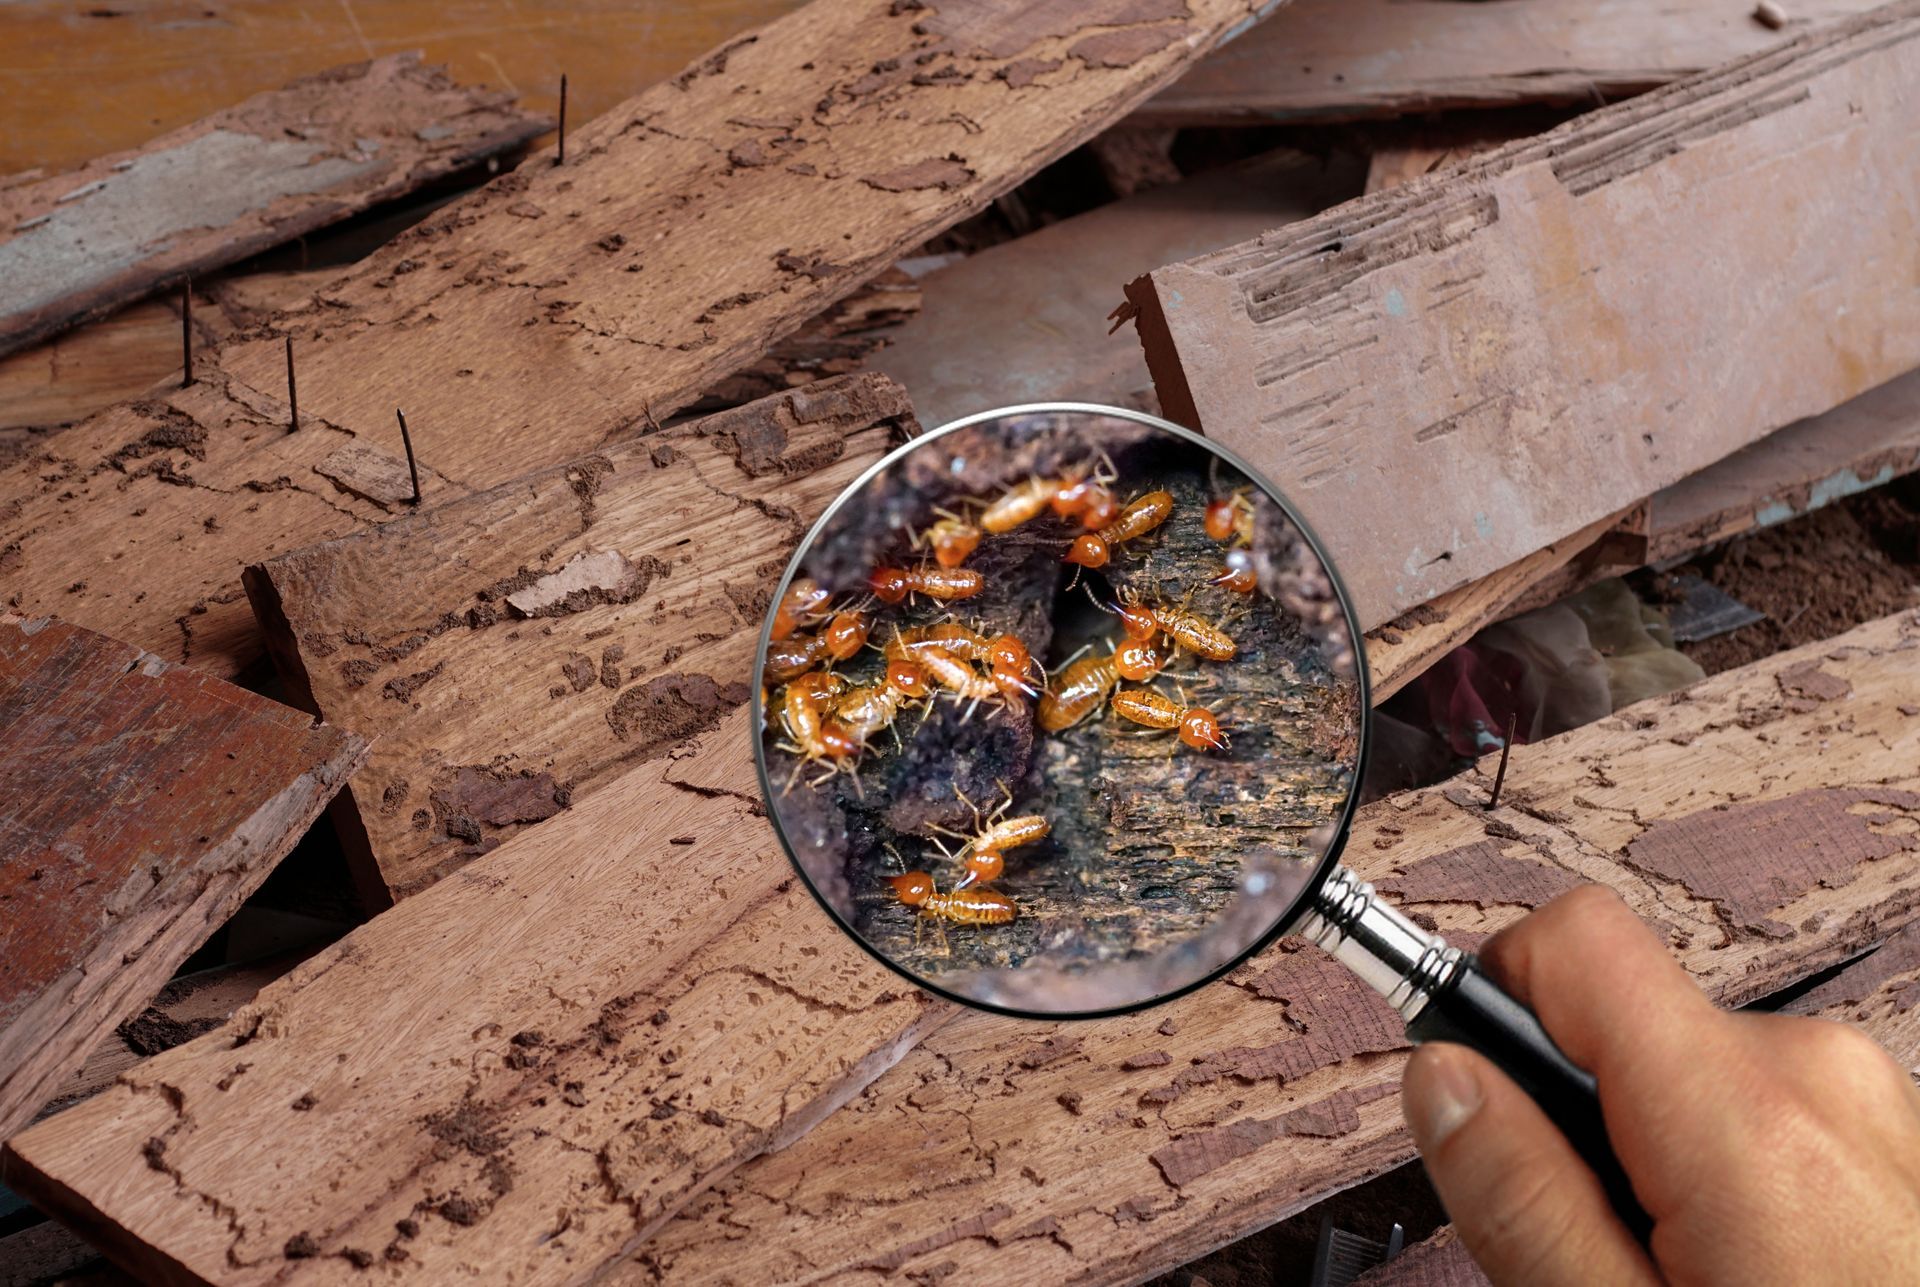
(1302, 901)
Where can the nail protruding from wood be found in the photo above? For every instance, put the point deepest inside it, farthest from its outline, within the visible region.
(406, 440)
(560, 156)
(186, 332)
(1506, 749)
(293, 394)
(1770, 15)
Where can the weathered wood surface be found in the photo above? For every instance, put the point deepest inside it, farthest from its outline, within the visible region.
(576, 1034)
(561, 307)
(1879, 994)
(139, 804)
(1325, 60)
(1559, 328)
(1761, 821)
(1025, 321)
(516, 650)
(76, 245)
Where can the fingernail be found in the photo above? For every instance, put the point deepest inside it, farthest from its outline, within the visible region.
(1449, 1096)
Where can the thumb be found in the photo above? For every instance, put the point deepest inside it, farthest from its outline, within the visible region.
(1525, 1205)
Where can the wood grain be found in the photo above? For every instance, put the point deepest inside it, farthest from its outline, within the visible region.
(77, 245)
(139, 804)
(577, 1033)
(1010, 1151)
(560, 308)
(1328, 60)
(514, 651)
(1557, 329)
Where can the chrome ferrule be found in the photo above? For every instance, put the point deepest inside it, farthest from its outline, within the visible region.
(1399, 960)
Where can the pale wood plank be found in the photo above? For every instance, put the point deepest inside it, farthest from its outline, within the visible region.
(1763, 832)
(140, 803)
(1552, 331)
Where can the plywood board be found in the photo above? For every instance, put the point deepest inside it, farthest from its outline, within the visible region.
(77, 245)
(140, 802)
(517, 650)
(1559, 328)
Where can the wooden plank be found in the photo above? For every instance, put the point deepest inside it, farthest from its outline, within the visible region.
(77, 245)
(496, 703)
(578, 1032)
(140, 803)
(561, 307)
(1025, 321)
(1751, 823)
(1330, 60)
(1515, 341)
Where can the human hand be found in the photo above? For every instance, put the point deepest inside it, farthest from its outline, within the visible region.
(1767, 1148)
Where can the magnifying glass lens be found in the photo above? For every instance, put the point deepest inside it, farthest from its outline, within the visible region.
(1061, 711)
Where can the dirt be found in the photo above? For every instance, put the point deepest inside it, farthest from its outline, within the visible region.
(152, 1031)
(1815, 577)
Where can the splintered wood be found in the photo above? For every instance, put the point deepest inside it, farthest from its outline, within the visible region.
(513, 651)
(139, 804)
(1323, 60)
(563, 306)
(1787, 840)
(603, 1016)
(256, 175)
(1550, 332)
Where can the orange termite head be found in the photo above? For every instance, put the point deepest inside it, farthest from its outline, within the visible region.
(1238, 580)
(913, 888)
(814, 684)
(1089, 551)
(1007, 653)
(981, 866)
(1200, 730)
(1220, 518)
(1102, 508)
(906, 677)
(1138, 660)
(838, 741)
(890, 585)
(1134, 619)
(953, 542)
(846, 634)
(1071, 496)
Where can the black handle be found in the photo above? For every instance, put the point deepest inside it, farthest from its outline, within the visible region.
(1472, 1010)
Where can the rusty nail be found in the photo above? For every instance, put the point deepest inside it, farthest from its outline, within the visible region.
(186, 332)
(293, 395)
(406, 440)
(1500, 774)
(560, 157)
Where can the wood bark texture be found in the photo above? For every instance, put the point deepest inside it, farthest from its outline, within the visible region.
(140, 803)
(1762, 822)
(514, 651)
(1330, 60)
(1559, 328)
(561, 307)
(270, 169)
(579, 1032)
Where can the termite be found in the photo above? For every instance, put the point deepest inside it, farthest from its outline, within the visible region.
(962, 907)
(802, 605)
(894, 584)
(815, 738)
(1230, 518)
(1187, 628)
(1095, 549)
(1139, 659)
(1018, 504)
(787, 658)
(1080, 488)
(1012, 664)
(869, 708)
(952, 539)
(1237, 575)
(1006, 655)
(1197, 726)
(984, 853)
(846, 634)
(958, 678)
(1081, 688)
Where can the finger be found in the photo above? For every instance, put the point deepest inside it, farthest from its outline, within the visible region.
(1525, 1205)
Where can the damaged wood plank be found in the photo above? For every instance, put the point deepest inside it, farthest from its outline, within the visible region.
(1514, 341)
(281, 164)
(513, 651)
(614, 1019)
(142, 803)
(1116, 1148)
(1331, 60)
(1023, 321)
(561, 307)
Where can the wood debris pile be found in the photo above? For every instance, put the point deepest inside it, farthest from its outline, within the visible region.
(1638, 291)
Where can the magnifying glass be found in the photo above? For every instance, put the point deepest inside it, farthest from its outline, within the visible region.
(1063, 713)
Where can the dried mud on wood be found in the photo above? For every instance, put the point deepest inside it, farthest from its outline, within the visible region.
(516, 650)
(142, 804)
(264, 172)
(563, 307)
(1355, 345)
(1043, 1137)
(1150, 840)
